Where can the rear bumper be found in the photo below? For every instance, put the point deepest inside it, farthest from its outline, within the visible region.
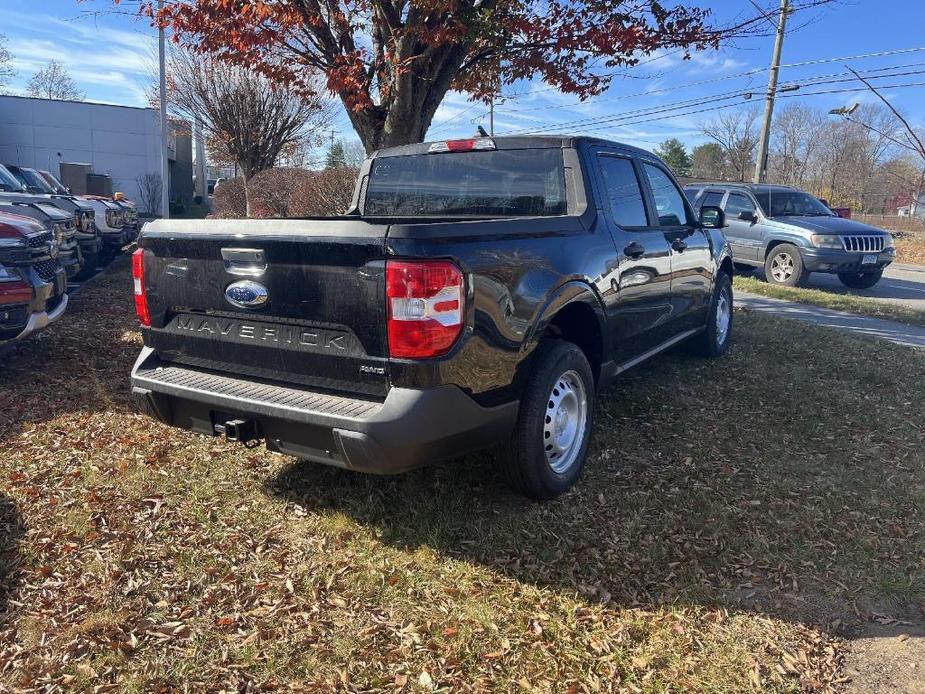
(816, 260)
(410, 428)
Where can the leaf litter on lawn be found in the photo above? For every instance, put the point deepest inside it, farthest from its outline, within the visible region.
(735, 520)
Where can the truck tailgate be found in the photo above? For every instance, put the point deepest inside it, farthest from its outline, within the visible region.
(323, 321)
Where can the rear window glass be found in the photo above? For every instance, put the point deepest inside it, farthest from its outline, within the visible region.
(624, 192)
(499, 183)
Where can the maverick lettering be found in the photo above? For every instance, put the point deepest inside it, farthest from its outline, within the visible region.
(259, 332)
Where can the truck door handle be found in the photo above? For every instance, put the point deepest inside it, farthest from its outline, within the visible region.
(678, 245)
(634, 250)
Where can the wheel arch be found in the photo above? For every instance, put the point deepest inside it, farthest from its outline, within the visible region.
(574, 312)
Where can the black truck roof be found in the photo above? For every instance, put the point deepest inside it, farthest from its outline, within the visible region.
(513, 142)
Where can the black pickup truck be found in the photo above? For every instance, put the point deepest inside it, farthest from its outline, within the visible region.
(478, 292)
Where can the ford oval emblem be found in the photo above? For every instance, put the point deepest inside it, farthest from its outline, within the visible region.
(247, 294)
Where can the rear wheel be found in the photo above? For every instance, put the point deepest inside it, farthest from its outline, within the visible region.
(784, 266)
(860, 280)
(714, 341)
(546, 452)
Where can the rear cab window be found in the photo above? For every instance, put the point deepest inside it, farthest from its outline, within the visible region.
(623, 191)
(492, 183)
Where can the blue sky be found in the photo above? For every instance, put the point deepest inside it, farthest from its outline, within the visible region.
(109, 56)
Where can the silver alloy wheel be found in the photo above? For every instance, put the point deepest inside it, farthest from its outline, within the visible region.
(565, 422)
(723, 316)
(782, 267)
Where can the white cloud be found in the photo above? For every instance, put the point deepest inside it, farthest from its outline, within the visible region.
(108, 63)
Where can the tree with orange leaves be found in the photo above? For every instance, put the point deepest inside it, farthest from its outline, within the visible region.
(391, 62)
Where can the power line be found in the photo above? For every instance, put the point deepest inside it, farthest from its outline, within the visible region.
(712, 80)
(653, 110)
(446, 123)
(627, 123)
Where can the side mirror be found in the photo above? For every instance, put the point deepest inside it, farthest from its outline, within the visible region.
(712, 217)
(748, 217)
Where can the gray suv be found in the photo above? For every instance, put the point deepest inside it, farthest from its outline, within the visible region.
(791, 234)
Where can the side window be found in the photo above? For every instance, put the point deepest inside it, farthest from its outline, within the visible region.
(691, 194)
(669, 203)
(738, 203)
(623, 191)
(712, 198)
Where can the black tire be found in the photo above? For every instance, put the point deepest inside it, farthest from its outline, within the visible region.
(712, 342)
(797, 273)
(860, 280)
(523, 456)
(91, 260)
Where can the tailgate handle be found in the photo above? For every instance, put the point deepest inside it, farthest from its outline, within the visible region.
(249, 262)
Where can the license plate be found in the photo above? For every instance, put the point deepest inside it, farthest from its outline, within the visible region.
(869, 260)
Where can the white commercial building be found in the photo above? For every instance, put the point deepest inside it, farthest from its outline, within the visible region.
(119, 141)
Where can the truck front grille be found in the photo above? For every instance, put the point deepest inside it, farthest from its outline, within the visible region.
(47, 269)
(863, 244)
(38, 240)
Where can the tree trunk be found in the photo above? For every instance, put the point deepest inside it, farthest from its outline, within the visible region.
(415, 97)
(247, 194)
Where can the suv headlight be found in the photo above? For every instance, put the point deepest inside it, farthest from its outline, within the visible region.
(888, 241)
(111, 219)
(827, 241)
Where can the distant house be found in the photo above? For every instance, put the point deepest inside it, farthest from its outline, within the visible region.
(916, 208)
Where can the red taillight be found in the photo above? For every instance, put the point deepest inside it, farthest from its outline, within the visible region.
(425, 305)
(141, 293)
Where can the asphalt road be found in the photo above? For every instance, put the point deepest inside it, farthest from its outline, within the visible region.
(901, 284)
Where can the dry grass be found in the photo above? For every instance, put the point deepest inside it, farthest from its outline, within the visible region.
(737, 520)
(910, 248)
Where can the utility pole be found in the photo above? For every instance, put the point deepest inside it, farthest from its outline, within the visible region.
(761, 165)
(165, 164)
(491, 116)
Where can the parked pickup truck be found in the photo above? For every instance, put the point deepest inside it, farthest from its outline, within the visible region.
(33, 285)
(65, 247)
(15, 189)
(791, 234)
(478, 293)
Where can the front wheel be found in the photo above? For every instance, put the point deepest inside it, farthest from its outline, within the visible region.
(714, 340)
(784, 266)
(546, 452)
(860, 280)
